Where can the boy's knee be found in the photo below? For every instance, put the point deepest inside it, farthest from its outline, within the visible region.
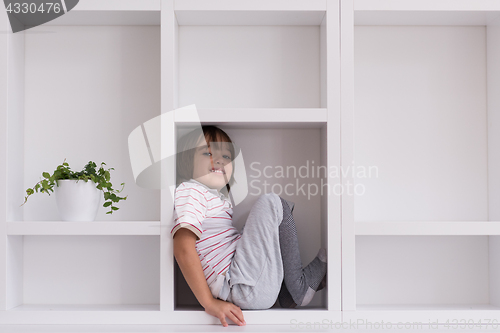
(270, 197)
(272, 201)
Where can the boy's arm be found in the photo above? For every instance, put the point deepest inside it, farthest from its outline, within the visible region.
(189, 262)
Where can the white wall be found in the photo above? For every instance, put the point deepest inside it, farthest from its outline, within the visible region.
(249, 66)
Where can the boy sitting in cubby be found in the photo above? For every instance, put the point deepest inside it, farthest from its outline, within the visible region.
(228, 271)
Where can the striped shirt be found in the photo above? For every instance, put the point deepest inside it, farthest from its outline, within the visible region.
(208, 214)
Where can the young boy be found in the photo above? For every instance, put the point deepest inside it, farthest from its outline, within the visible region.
(223, 267)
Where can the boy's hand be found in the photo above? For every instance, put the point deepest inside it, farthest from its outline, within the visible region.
(222, 309)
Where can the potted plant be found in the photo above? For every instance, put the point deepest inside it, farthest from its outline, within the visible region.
(77, 198)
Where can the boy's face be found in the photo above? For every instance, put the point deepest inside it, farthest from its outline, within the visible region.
(212, 166)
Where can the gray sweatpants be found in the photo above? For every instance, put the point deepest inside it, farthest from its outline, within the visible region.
(255, 275)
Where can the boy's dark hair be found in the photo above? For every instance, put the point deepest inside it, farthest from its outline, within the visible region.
(186, 148)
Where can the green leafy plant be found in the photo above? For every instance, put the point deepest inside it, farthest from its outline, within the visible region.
(99, 176)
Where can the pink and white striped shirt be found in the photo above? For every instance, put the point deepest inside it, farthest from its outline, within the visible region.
(208, 214)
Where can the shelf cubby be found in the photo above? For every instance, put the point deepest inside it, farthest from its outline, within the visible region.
(83, 273)
(259, 55)
(422, 278)
(104, 82)
(265, 152)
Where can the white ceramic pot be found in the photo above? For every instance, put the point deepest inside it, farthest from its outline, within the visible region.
(77, 201)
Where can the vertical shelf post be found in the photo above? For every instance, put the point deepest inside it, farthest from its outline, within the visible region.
(168, 104)
(333, 154)
(347, 149)
(4, 68)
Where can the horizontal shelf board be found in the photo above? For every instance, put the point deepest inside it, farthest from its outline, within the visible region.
(150, 313)
(112, 12)
(425, 307)
(254, 5)
(87, 307)
(276, 309)
(426, 12)
(260, 118)
(87, 18)
(422, 315)
(118, 5)
(428, 228)
(147, 328)
(260, 125)
(272, 316)
(424, 18)
(84, 228)
(251, 17)
(427, 5)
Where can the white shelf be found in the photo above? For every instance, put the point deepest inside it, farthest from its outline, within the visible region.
(83, 18)
(146, 328)
(87, 307)
(84, 228)
(250, 6)
(118, 5)
(195, 17)
(426, 5)
(425, 13)
(428, 228)
(421, 315)
(150, 315)
(257, 118)
(425, 307)
(424, 18)
(111, 12)
(259, 12)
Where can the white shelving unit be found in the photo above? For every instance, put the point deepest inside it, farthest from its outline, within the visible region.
(407, 87)
(419, 102)
(267, 72)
